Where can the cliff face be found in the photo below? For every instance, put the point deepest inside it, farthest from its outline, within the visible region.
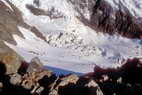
(112, 17)
(119, 20)
(10, 19)
(7, 22)
(101, 15)
(8, 26)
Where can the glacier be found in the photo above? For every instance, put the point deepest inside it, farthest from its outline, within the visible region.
(70, 45)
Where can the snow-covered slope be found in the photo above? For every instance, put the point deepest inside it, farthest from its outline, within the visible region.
(133, 6)
(70, 44)
(106, 53)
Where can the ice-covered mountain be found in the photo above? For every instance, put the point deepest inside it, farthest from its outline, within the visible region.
(79, 34)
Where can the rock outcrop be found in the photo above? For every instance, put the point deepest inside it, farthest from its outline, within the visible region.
(10, 19)
(110, 20)
(103, 17)
(124, 80)
(12, 61)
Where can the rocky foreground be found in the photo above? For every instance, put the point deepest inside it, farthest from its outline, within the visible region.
(17, 77)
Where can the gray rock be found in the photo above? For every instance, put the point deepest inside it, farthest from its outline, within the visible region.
(35, 65)
(54, 92)
(15, 79)
(39, 90)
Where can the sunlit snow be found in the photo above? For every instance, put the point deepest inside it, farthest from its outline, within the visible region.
(71, 45)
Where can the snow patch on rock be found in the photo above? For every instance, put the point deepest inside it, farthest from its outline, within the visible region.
(7, 4)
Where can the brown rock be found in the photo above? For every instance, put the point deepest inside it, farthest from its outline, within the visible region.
(62, 82)
(12, 62)
(69, 79)
(88, 86)
(65, 81)
(9, 22)
(31, 79)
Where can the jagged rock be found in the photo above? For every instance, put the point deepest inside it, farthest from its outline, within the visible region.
(131, 71)
(110, 20)
(35, 65)
(10, 19)
(65, 81)
(126, 82)
(39, 90)
(54, 92)
(15, 79)
(62, 82)
(121, 81)
(88, 86)
(31, 79)
(68, 79)
(92, 84)
(12, 62)
(8, 23)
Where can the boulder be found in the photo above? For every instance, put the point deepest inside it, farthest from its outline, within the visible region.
(30, 80)
(15, 79)
(61, 82)
(35, 65)
(12, 62)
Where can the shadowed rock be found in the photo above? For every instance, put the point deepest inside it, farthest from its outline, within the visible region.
(121, 81)
(104, 18)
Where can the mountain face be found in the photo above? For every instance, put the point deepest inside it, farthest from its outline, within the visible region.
(73, 35)
(118, 16)
(111, 16)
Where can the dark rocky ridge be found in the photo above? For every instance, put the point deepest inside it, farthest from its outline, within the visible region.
(9, 22)
(34, 80)
(119, 21)
(39, 12)
(106, 19)
(103, 17)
